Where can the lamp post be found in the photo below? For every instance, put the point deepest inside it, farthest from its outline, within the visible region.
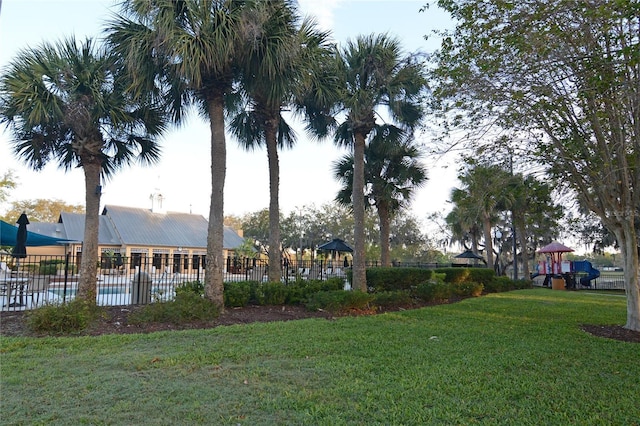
(515, 255)
(498, 235)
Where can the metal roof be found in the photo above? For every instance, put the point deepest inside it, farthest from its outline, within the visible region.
(143, 227)
(140, 227)
(73, 224)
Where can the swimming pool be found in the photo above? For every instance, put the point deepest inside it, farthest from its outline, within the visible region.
(101, 290)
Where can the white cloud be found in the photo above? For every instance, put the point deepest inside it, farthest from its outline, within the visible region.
(322, 10)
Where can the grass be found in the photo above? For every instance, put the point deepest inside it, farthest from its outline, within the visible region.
(506, 358)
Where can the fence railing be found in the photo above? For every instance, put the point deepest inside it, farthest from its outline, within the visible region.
(37, 280)
(608, 280)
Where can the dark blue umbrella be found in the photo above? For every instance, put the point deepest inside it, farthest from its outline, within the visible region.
(20, 249)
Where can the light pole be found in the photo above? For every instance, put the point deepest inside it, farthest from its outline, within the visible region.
(498, 235)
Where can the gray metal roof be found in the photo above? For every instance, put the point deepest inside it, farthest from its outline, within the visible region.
(133, 226)
(73, 224)
(143, 227)
(55, 230)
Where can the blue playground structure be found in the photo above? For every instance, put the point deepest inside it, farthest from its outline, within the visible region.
(573, 272)
(581, 267)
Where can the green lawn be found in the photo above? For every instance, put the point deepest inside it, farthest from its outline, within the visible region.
(514, 358)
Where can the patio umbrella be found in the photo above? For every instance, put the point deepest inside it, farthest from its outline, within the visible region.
(20, 249)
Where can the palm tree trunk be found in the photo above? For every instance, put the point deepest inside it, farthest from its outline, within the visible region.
(89, 263)
(275, 268)
(522, 236)
(383, 216)
(359, 267)
(488, 243)
(214, 269)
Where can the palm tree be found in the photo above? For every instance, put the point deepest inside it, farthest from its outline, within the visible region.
(464, 228)
(373, 73)
(68, 103)
(277, 59)
(484, 190)
(392, 173)
(191, 50)
(531, 206)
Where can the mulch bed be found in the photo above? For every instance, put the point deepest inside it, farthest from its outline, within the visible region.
(615, 332)
(115, 321)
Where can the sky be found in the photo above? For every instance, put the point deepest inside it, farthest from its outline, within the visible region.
(183, 174)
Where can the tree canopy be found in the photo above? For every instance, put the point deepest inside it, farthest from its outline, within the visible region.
(564, 77)
(68, 103)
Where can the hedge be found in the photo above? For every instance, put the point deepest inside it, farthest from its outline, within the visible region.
(392, 279)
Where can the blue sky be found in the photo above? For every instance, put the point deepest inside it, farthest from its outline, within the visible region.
(183, 174)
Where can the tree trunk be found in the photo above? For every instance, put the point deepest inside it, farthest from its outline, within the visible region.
(87, 290)
(359, 268)
(275, 268)
(214, 269)
(383, 216)
(488, 243)
(522, 236)
(627, 238)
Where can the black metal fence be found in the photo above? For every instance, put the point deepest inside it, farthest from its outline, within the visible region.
(38, 280)
(608, 280)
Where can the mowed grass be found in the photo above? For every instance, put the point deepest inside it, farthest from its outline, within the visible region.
(516, 358)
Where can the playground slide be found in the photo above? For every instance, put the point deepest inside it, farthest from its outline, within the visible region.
(586, 266)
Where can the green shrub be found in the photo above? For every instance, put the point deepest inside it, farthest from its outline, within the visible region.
(237, 294)
(270, 293)
(499, 284)
(390, 279)
(299, 291)
(52, 266)
(455, 275)
(392, 299)
(65, 318)
(481, 275)
(433, 291)
(466, 289)
(522, 284)
(187, 306)
(47, 269)
(339, 300)
(191, 286)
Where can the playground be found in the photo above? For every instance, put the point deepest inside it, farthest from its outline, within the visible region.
(562, 274)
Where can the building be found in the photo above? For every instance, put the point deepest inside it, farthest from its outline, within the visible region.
(129, 238)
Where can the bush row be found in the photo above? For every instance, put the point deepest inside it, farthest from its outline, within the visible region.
(244, 293)
(388, 287)
(390, 279)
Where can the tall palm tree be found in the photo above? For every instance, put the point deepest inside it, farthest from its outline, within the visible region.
(463, 226)
(531, 206)
(373, 73)
(191, 50)
(276, 60)
(392, 173)
(484, 190)
(68, 103)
